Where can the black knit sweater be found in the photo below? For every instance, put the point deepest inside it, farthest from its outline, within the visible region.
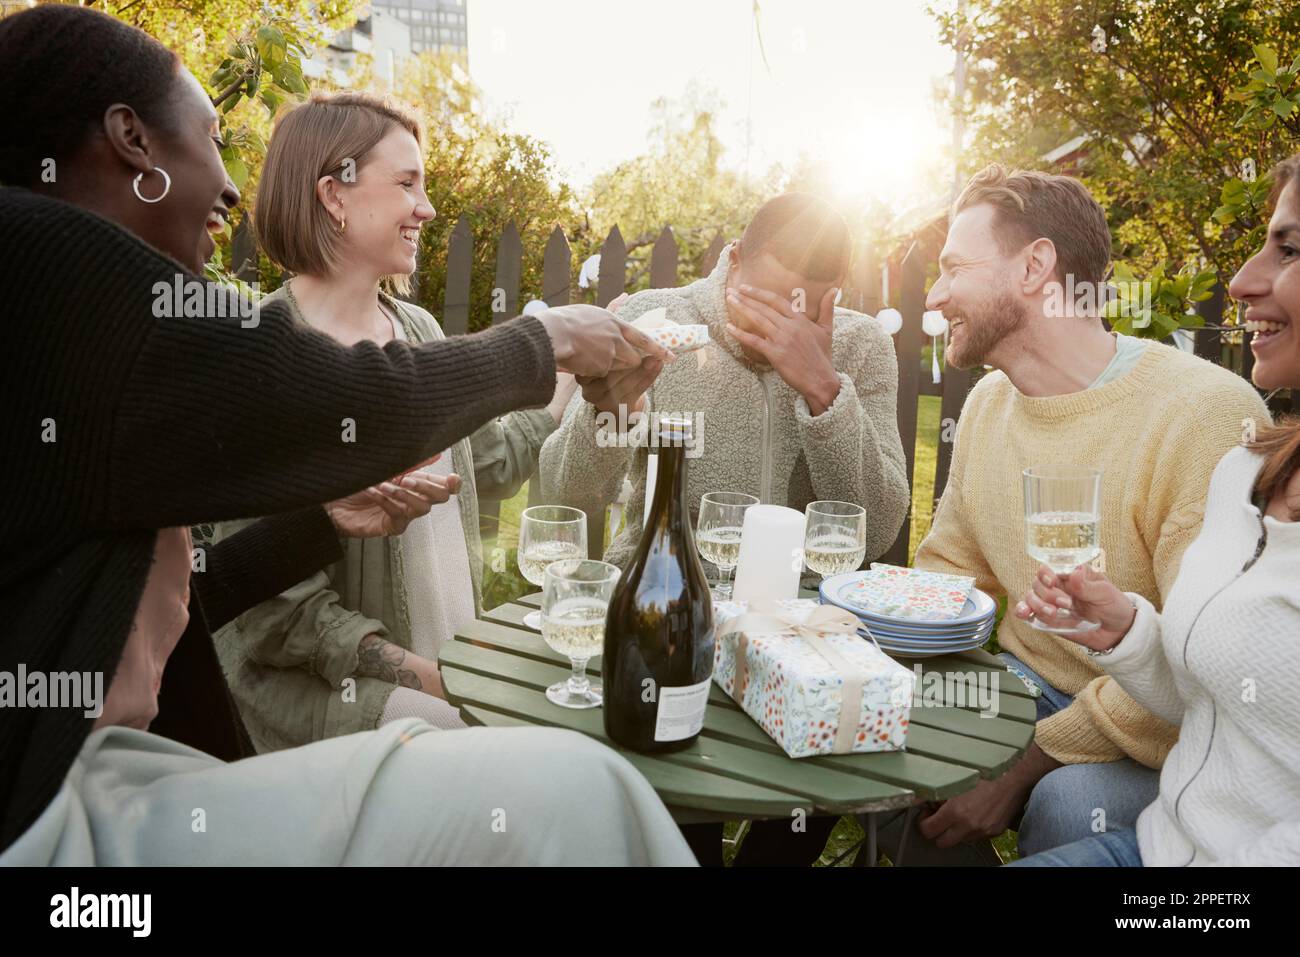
(159, 422)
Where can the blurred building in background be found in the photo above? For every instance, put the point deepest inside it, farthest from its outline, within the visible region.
(436, 25)
(381, 35)
(390, 31)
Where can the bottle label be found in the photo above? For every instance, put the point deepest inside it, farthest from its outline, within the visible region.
(681, 711)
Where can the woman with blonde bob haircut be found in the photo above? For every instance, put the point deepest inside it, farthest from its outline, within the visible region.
(1219, 661)
(339, 207)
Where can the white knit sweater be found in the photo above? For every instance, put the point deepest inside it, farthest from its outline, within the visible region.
(1223, 663)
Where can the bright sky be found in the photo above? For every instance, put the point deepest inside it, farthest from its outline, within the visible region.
(851, 81)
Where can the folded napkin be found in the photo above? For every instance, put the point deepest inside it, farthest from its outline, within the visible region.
(895, 592)
(676, 337)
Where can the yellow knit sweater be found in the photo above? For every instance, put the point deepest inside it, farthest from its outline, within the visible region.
(1157, 432)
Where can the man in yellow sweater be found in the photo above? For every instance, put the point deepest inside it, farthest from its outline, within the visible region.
(1063, 390)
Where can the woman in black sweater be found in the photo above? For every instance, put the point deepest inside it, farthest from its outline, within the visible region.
(121, 419)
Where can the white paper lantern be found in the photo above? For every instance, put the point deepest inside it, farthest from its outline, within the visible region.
(933, 323)
(534, 307)
(590, 272)
(891, 320)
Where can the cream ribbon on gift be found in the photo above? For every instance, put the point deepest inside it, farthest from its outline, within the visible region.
(824, 621)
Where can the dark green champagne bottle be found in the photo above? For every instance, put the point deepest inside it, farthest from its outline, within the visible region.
(658, 659)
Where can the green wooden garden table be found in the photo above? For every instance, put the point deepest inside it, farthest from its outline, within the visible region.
(496, 672)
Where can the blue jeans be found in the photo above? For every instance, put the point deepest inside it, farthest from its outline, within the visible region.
(1113, 849)
(1075, 801)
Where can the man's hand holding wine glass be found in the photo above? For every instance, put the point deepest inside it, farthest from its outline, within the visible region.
(1085, 594)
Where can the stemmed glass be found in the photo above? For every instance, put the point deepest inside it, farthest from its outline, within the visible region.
(835, 537)
(1062, 515)
(549, 533)
(575, 602)
(717, 534)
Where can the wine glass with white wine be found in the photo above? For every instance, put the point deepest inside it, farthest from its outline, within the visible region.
(717, 534)
(575, 603)
(835, 537)
(1062, 515)
(549, 533)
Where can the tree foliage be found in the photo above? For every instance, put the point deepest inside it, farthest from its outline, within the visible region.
(1185, 105)
(681, 180)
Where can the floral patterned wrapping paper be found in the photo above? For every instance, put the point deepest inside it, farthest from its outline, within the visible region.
(894, 592)
(795, 694)
(679, 338)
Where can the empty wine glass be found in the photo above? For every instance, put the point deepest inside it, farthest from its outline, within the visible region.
(575, 602)
(1062, 515)
(835, 537)
(549, 533)
(717, 533)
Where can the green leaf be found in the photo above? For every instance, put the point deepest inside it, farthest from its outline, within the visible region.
(237, 171)
(271, 45)
(293, 80)
(1283, 107)
(1267, 57)
(1163, 325)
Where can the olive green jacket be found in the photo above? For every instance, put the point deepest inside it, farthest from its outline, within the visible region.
(288, 660)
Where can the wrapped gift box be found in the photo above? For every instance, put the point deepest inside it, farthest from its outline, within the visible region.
(796, 662)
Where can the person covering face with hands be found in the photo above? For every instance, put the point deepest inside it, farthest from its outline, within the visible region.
(795, 399)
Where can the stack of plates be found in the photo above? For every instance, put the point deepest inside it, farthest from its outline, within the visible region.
(914, 638)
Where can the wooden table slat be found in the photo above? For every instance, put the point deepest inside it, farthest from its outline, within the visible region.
(503, 629)
(1005, 706)
(989, 759)
(986, 757)
(830, 790)
(528, 644)
(677, 784)
(930, 779)
(1014, 734)
(1008, 683)
(512, 615)
(497, 670)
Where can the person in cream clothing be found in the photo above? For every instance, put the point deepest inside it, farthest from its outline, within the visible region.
(1219, 662)
(1064, 390)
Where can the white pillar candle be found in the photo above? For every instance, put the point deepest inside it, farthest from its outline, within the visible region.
(771, 554)
(651, 473)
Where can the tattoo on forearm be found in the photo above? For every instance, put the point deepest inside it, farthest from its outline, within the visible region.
(377, 658)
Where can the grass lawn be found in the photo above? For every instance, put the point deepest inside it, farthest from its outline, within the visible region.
(506, 584)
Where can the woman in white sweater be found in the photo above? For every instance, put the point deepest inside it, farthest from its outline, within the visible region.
(1223, 660)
